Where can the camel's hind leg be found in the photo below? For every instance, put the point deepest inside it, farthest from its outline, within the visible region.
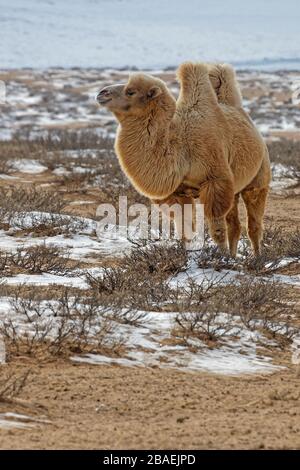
(233, 226)
(255, 202)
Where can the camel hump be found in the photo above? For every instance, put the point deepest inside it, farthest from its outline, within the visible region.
(225, 84)
(195, 85)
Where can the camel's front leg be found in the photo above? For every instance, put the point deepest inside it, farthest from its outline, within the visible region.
(218, 232)
(217, 195)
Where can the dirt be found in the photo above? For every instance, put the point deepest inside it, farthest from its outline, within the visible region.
(110, 407)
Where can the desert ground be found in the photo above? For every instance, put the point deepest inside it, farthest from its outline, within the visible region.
(110, 343)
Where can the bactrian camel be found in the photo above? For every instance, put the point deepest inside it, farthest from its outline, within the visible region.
(204, 145)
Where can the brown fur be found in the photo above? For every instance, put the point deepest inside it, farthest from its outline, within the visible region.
(203, 145)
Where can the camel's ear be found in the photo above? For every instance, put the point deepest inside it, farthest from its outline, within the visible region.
(153, 92)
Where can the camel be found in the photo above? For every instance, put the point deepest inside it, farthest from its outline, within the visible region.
(203, 146)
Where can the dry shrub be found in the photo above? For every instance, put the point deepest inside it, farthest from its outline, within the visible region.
(80, 180)
(23, 144)
(140, 280)
(74, 140)
(20, 200)
(168, 259)
(20, 147)
(4, 262)
(286, 152)
(37, 210)
(11, 386)
(277, 245)
(70, 324)
(207, 325)
(42, 259)
(5, 166)
(256, 303)
(210, 257)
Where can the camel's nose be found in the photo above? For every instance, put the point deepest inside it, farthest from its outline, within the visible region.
(104, 95)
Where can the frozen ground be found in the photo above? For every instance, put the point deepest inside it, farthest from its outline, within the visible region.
(148, 347)
(84, 174)
(148, 344)
(152, 34)
(45, 100)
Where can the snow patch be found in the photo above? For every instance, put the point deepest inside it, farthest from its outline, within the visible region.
(27, 166)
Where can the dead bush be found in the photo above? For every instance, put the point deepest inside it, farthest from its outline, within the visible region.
(165, 258)
(23, 144)
(256, 303)
(21, 200)
(210, 257)
(74, 140)
(286, 152)
(5, 166)
(206, 325)
(140, 279)
(277, 245)
(42, 259)
(11, 386)
(67, 325)
(20, 147)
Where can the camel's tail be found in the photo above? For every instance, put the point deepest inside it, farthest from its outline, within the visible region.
(224, 82)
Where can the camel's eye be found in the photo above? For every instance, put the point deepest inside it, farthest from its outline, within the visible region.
(130, 92)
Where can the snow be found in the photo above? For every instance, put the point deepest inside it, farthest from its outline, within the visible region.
(30, 219)
(280, 180)
(2, 351)
(156, 34)
(46, 279)
(293, 280)
(6, 423)
(296, 351)
(8, 177)
(147, 349)
(149, 343)
(28, 166)
(203, 276)
(206, 276)
(11, 420)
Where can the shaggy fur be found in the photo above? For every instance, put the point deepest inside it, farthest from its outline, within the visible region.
(204, 145)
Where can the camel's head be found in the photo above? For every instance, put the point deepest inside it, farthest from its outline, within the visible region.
(137, 97)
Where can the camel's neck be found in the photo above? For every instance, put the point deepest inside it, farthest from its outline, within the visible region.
(147, 150)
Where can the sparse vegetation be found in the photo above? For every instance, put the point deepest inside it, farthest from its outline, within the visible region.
(67, 325)
(286, 152)
(42, 259)
(258, 304)
(11, 386)
(57, 321)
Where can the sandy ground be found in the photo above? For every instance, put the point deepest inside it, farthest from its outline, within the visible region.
(106, 407)
(112, 407)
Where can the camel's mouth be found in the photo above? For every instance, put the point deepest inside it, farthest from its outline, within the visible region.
(103, 100)
(104, 96)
